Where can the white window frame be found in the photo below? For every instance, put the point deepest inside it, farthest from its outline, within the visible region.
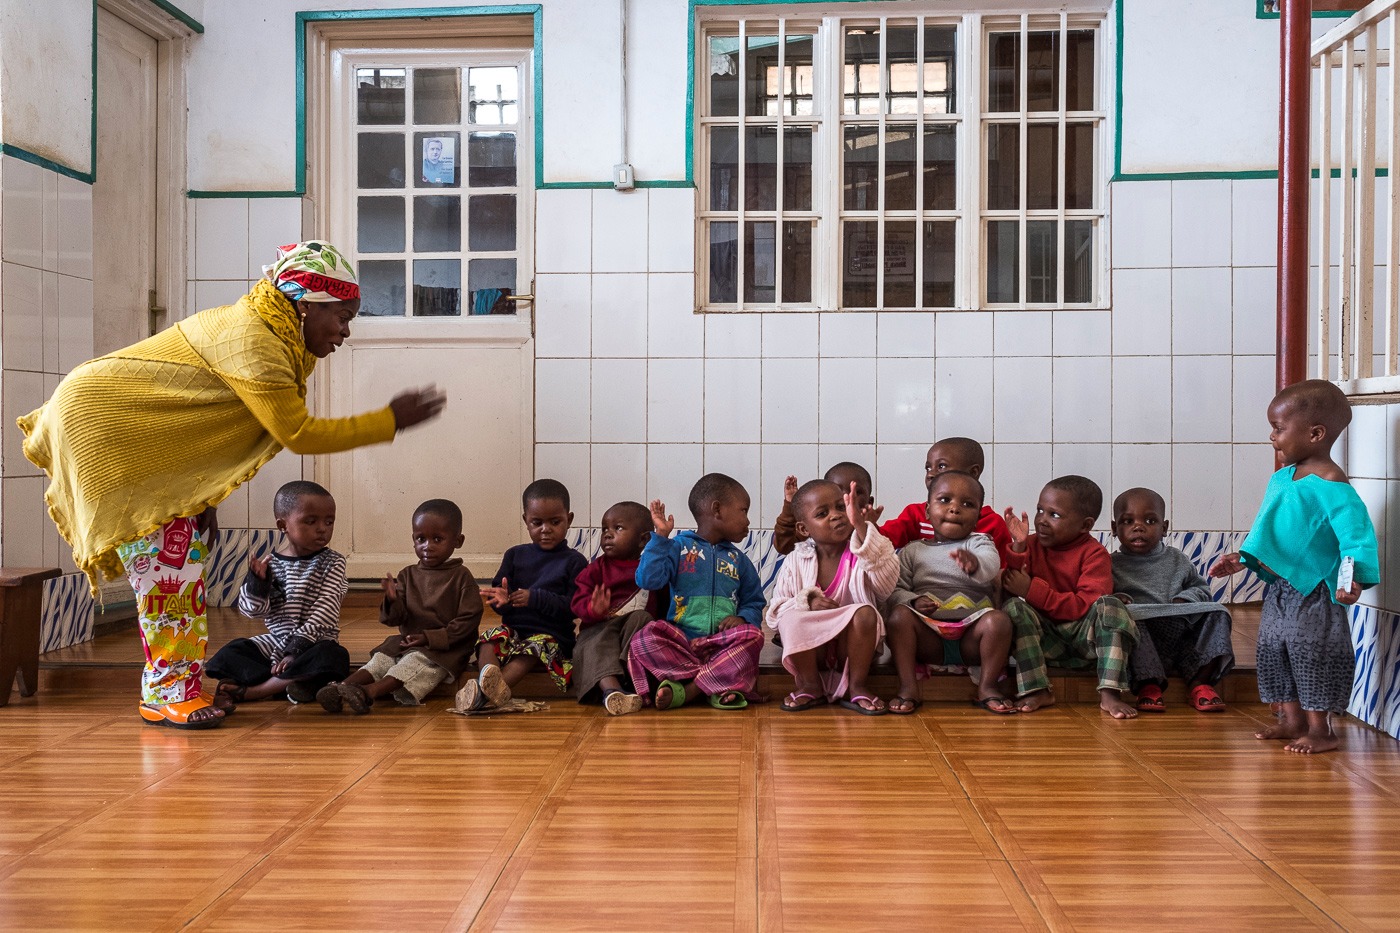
(971, 119)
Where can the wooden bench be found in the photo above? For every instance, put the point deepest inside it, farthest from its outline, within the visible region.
(21, 606)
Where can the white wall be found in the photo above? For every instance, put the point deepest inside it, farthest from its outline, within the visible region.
(46, 89)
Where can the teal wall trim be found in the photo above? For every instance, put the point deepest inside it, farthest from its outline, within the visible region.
(1260, 13)
(243, 194)
(24, 155)
(179, 14)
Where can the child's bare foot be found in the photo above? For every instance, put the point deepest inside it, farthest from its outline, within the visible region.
(1312, 744)
(1283, 730)
(1112, 703)
(1034, 701)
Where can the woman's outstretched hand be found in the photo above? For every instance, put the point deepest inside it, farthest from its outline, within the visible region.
(417, 405)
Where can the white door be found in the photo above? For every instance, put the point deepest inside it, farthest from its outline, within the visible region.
(431, 189)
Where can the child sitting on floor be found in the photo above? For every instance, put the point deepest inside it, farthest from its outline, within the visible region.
(1061, 579)
(785, 531)
(710, 641)
(961, 454)
(436, 606)
(611, 608)
(1178, 625)
(1310, 521)
(531, 591)
(827, 597)
(943, 612)
(297, 593)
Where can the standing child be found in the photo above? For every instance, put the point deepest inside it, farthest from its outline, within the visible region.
(436, 606)
(710, 641)
(531, 591)
(611, 608)
(1178, 625)
(827, 597)
(297, 593)
(943, 610)
(1061, 578)
(963, 455)
(785, 532)
(1309, 523)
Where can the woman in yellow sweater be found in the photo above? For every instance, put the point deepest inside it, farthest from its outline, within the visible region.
(142, 444)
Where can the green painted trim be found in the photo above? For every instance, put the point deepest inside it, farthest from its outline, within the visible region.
(179, 14)
(24, 155)
(652, 183)
(92, 123)
(197, 195)
(1118, 90)
(90, 176)
(1317, 14)
(1212, 176)
(538, 68)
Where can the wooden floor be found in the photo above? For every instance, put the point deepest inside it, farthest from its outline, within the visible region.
(694, 820)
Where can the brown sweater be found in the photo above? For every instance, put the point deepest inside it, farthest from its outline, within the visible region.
(443, 603)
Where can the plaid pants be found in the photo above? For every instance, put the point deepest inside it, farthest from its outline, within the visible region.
(1104, 637)
(718, 663)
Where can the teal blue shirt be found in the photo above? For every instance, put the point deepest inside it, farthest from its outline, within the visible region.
(1303, 530)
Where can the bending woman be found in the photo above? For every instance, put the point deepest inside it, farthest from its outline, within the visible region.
(142, 444)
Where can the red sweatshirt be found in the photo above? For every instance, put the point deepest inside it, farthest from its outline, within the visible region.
(1065, 581)
(912, 525)
(620, 576)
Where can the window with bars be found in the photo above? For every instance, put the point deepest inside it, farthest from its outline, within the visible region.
(901, 162)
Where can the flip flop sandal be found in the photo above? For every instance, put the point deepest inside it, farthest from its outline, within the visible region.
(493, 684)
(903, 712)
(677, 694)
(618, 703)
(805, 701)
(177, 715)
(717, 700)
(986, 704)
(1150, 700)
(853, 703)
(1204, 699)
(330, 699)
(470, 697)
(355, 698)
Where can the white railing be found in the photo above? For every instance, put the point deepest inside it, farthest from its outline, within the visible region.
(1352, 62)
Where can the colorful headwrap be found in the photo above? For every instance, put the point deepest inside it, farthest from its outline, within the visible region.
(313, 271)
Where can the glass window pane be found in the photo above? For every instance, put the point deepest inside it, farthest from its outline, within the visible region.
(380, 160)
(940, 69)
(759, 262)
(940, 261)
(437, 224)
(901, 248)
(437, 95)
(491, 160)
(1041, 263)
(436, 156)
(1043, 71)
(489, 281)
(760, 168)
(494, 94)
(380, 96)
(724, 76)
(724, 168)
(381, 288)
(491, 222)
(860, 90)
(902, 69)
(797, 261)
(437, 287)
(860, 166)
(1003, 74)
(1079, 261)
(1042, 167)
(1079, 165)
(1003, 261)
(940, 168)
(380, 224)
(1003, 167)
(797, 169)
(761, 76)
(1079, 65)
(724, 259)
(860, 263)
(901, 178)
(798, 92)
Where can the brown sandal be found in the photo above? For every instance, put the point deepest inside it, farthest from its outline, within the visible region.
(355, 698)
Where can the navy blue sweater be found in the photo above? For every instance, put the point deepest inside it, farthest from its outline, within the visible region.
(549, 576)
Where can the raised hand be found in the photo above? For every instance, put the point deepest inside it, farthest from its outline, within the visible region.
(966, 560)
(1226, 565)
(259, 566)
(1020, 528)
(789, 488)
(600, 601)
(415, 406)
(663, 523)
(389, 587)
(497, 596)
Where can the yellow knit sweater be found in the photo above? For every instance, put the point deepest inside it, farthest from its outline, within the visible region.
(175, 423)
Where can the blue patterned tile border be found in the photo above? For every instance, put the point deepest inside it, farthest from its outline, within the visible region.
(67, 614)
(1375, 696)
(228, 562)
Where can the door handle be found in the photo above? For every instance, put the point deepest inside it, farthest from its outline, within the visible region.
(529, 298)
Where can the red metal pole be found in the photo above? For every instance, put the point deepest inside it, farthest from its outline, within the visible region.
(1294, 171)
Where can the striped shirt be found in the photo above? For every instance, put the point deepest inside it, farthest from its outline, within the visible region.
(299, 601)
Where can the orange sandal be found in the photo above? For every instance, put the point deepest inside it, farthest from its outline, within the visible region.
(1149, 700)
(177, 715)
(1204, 699)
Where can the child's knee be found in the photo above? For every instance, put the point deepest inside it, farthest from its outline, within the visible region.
(900, 618)
(866, 617)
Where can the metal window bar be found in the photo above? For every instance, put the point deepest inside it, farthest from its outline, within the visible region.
(1392, 240)
(742, 173)
(1063, 104)
(1366, 213)
(1023, 244)
(1348, 225)
(1324, 221)
(779, 168)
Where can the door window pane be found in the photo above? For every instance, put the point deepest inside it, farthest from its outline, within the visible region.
(1079, 261)
(490, 281)
(494, 95)
(1043, 268)
(380, 225)
(381, 288)
(901, 154)
(940, 168)
(860, 164)
(940, 73)
(380, 160)
(435, 155)
(1003, 72)
(724, 168)
(797, 261)
(797, 169)
(491, 222)
(901, 250)
(1003, 167)
(491, 160)
(759, 264)
(437, 224)
(1042, 167)
(1079, 65)
(1079, 165)
(437, 287)
(798, 94)
(1043, 71)
(860, 79)
(902, 69)
(437, 95)
(762, 73)
(1003, 261)
(724, 257)
(379, 96)
(860, 256)
(940, 262)
(724, 76)
(760, 168)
